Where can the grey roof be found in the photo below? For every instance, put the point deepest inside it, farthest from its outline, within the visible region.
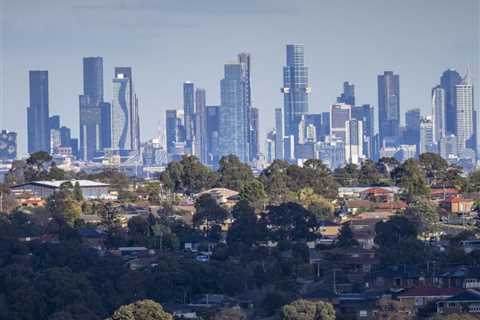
(468, 295)
(57, 183)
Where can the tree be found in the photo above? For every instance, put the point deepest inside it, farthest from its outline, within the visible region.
(188, 176)
(395, 230)
(424, 215)
(254, 193)
(348, 175)
(474, 181)
(244, 229)
(109, 215)
(434, 166)
(308, 310)
(208, 213)
(231, 314)
(288, 221)
(369, 174)
(388, 309)
(141, 310)
(411, 178)
(77, 192)
(63, 204)
(345, 238)
(275, 180)
(233, 173)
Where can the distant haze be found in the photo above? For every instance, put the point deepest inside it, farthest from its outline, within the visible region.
(168, 42)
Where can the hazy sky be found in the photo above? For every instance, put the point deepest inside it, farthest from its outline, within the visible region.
(168, 42)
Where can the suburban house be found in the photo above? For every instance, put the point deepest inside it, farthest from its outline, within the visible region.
(467, 301)
(223, 196)
(421, 296)
(356, 192)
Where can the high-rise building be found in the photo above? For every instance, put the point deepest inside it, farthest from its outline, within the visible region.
(8, 145)
(270, 146)
(448, 81)
(254, 129)
(411, 135)
(232, 136)
(251, 113)
(331, 152)
(279, 154)
(105, 125)
(348, 94)
(188, 111)
(340, 113)
(325, 131)
(427, 137)
(93, 79)
(448, 147)
(38, 125)
(465, 115)
(295, 89)
(201, 149)
(365, 114)
(90, 108)
(175, 131)
(124, 112)
(213, 127)
(354, 141)
(438, 112)
(316, 121)
(289, 148)
(54, 122)
(389, 106)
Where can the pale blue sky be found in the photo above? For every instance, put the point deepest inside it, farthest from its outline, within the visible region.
(168, 42)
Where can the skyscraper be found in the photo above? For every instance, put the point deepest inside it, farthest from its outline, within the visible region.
(426, 143)
(465, 112)
(213, 127)
(38, 126)
(348, 94)
(295, 89)
(232, 136)
(438, 112)
(124, 112)
(188, 111)
(279, 154)
(412, 127)
(174, 129)
(201, 125)
(252, 113)
(254, 129)
(449, 79)
(354, 141)
(90, 108)
(340, 113)
(316, 121)
(365, 114)
(8, 145)
(389, 106)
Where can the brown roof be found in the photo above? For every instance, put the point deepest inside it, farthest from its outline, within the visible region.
(441, 191)
(359, 203)
(430, 292)
(376, 190)
(395, 205)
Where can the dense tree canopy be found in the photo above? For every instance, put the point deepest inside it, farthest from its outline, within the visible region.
(141, 310)
(308, 310)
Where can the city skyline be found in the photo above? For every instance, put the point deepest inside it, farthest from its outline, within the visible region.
(326, 72)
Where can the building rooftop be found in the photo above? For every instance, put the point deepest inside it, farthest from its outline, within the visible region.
(58, 183)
